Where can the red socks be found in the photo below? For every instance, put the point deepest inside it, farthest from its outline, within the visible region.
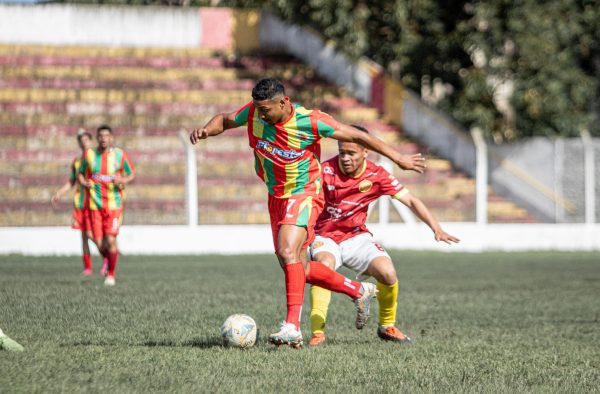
(112, 262)
(87, 261)
(295, 281)
(323, 276)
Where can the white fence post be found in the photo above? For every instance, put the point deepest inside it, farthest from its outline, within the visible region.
(191, 180)
(481, 174)
(590, 177)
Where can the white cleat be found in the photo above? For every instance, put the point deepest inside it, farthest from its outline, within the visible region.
(109, 281)
(363, 303)
(287, 335)
(8, 344)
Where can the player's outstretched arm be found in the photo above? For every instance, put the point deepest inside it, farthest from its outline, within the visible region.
(59, 193)
(419, 209)
(347, 133)
(215, 126)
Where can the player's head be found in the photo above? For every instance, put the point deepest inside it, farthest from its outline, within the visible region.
(84, 139)
(104, 134)
(270, 100)
(352, 156)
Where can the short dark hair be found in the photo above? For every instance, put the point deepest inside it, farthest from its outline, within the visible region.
(360, 128)
(103, 127)
(82, 132)
(267, 89)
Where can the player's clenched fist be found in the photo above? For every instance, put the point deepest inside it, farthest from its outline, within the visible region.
(198, 134)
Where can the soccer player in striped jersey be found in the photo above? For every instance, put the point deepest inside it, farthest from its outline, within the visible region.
(351, 183)
(286, 138)
(105, 171)
(81, 216)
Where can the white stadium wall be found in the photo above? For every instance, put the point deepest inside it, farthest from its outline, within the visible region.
(100, 25)
(253, 239)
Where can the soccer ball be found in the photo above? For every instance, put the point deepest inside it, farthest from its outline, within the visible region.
(239, 330)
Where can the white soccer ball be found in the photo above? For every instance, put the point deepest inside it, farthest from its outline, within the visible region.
(239, 330)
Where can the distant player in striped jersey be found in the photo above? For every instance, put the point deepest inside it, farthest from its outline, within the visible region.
(285, 139)
(105, 171)
(81, 216)
(351, 183)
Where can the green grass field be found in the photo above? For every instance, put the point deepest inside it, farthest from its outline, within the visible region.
(492, 322)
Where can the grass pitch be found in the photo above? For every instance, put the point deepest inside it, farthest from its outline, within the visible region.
(492, 322)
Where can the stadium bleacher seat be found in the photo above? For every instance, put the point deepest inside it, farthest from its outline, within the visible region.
(148, 95)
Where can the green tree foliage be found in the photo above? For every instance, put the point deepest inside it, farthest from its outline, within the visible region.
(512, 68)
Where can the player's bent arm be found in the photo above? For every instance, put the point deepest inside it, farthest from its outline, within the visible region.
(124, 180)
(63, 189)
(419, 209)
(84, 182)
(218, 124)
(347, 133)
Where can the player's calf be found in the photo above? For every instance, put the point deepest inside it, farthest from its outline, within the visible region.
(368, 291)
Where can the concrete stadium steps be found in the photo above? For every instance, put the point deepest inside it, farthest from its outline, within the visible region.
(106, 52)
(83, 83)
(147, 95)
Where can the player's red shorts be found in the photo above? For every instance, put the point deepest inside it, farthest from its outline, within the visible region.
(105, 222)
(81, 220)
(301, 210)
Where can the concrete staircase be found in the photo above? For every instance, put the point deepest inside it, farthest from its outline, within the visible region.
(147, 96)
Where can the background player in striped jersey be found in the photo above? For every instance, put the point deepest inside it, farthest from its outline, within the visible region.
(105, 171)
(351, 183)
(81, 216)
(285, 138)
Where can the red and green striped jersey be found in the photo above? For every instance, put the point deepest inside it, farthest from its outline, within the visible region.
(80, 197)
(100, 169)
(286, 155)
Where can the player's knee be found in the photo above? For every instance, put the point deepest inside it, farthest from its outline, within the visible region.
(388, 278)
(287, 254)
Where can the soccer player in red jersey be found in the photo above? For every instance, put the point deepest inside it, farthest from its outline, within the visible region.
(81, 216)
(351, 183)
(285, 138)
(105, 171)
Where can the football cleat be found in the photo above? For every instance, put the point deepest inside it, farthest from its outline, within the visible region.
(287, 335)
(8, 344)
(363, 303)
(87, 272)
(109, 281)
(391, 333)
(104, 269)
(317, 339)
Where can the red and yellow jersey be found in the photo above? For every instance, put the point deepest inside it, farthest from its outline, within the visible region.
(100, 169)
(81, 194)
(286, 155)
(347, 199)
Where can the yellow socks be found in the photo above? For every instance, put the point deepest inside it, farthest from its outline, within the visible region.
(319, 303)
(388, 303)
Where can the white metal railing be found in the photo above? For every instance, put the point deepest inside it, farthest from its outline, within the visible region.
(191, 179)
(481, 176)
(481, 181)
(590, 181)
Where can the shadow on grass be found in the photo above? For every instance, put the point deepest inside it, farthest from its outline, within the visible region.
(203, 343)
